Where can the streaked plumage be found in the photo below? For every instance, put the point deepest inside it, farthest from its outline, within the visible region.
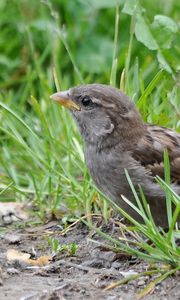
(150, 150)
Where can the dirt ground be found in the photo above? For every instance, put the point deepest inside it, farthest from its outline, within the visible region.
(82, 276)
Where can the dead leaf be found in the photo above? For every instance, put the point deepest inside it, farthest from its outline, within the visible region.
(41, 261)
(13, 255)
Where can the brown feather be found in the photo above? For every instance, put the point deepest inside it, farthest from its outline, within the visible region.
(150, 150)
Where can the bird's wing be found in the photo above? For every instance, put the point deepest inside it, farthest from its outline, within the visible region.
(150, 149)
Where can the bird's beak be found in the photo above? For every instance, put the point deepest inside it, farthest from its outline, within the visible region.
(64, 99)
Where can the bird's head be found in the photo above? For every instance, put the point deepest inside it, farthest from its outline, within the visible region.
(103, 113)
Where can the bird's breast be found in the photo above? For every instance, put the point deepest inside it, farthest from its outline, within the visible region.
(107, 171)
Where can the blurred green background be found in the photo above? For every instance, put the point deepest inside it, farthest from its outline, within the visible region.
(47, 45)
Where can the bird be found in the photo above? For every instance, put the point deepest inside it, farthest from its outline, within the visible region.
(117, 139)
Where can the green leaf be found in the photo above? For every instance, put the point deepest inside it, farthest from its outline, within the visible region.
(130, 6)
(163, 29)
(144, 35)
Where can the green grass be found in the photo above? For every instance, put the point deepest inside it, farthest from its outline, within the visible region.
(152, 244)
(58, 44)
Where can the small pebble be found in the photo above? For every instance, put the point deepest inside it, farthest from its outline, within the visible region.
(108, 256)
(141, 282)
(12, 271)
(12, 238)
(116, 265)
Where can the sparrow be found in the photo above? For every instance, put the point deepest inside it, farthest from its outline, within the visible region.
(116, 139)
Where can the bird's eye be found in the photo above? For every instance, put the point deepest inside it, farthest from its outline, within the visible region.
(86, 101)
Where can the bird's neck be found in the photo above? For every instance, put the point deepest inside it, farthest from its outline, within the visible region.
(125, 135)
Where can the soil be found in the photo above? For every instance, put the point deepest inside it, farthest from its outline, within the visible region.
(84, 275)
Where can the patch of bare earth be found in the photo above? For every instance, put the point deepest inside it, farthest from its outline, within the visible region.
(83, 276)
